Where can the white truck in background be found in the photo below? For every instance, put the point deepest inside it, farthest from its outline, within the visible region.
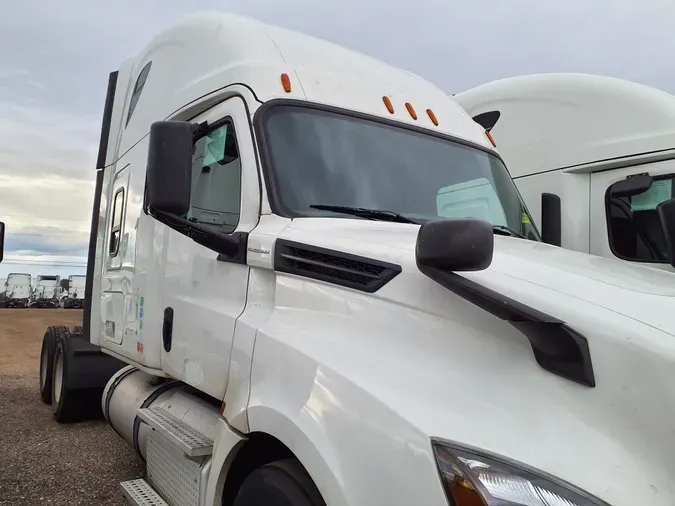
(73, 298)
(592, 156)
(47, 291)
(18, 290)
(279, 311)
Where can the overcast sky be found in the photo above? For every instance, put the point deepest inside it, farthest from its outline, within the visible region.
(55, 58)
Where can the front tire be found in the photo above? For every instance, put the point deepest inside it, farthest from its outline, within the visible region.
(280, 483)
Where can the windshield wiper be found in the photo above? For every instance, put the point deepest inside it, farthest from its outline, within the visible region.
(504, 230)
(371, 214)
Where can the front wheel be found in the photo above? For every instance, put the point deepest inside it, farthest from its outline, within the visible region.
(280, 483)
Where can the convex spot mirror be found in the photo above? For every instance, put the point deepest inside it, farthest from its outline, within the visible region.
(455, 245)
(169, 166)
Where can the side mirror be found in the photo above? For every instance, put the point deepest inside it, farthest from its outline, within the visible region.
(455, 245)
(666, 212)
(551, 219)
(632, 185)
(2, 240)
(169, 166)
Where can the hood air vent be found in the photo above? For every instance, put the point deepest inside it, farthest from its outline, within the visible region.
(336, 267)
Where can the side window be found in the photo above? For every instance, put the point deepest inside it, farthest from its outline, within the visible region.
(633, 224)
(138, 88)
(116, 228)
(216, 180)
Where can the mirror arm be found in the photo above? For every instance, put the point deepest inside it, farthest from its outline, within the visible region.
(199, 130)
(227, 245)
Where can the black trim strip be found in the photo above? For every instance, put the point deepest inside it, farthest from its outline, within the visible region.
(96, 207)
(287, 259)
(557, 348)
(150, 399)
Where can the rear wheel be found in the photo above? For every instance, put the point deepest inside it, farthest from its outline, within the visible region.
(281, 483)
(47, 361)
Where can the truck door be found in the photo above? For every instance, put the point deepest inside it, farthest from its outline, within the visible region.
(203, 292)
(628, 227)
(116, 281)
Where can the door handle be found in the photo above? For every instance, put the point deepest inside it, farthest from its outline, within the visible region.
(167, 328)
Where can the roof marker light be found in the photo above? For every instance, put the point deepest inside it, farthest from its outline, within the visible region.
(412, 112)
(492, 141)
(387, 103)
(432, 117)
(286, 82)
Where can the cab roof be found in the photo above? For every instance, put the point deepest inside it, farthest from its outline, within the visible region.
(555, 121)
(207, 51)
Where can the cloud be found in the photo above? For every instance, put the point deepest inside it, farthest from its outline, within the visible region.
(58, 56)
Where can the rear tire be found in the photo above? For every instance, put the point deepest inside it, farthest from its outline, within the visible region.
(70, 405)
(280, 483)
(47, 360)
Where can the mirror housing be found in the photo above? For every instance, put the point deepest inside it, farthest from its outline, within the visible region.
(2, 240)
(632, 185)
(551, 219)
(455, 245)
(666, 212)
(169, 166)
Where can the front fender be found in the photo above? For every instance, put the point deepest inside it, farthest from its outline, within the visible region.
(355, 448)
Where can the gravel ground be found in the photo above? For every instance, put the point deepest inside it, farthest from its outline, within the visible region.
(41, 461)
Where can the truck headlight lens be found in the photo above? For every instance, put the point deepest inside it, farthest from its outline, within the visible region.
(471, 478)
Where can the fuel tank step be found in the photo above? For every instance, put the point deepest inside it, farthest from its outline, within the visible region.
(191, 441)
(140, 493)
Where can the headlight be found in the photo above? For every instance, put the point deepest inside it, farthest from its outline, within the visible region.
(472, 478)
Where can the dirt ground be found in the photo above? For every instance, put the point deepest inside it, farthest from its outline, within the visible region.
(41, 461)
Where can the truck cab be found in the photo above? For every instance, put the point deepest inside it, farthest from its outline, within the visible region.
(18, 290)
(592, 156)
(73, 298)
(47, 291)
(312, 282)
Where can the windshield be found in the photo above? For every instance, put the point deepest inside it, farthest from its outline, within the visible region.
(331, 159)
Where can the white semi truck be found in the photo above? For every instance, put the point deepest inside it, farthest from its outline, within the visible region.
(73, 298)
(47, 291)
(283, 309)
(18, 290)
(593, 158)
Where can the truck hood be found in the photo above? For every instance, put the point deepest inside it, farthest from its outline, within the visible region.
(635, 291)
(441, 367)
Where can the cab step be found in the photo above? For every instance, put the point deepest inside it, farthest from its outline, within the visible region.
(140, 493)
(190, 440)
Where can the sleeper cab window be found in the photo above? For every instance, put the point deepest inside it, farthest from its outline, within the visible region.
(633, 225)
(216, 179)
(138, 88)
(116, 227)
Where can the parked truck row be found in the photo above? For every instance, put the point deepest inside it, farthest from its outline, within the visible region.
(313, 281)
(47, 292)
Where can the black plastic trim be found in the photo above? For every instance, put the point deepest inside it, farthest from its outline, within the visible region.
(96, 207)
(286, 260)
(488, 119)
(266, 162)
(242, 244)
(557, 348)
(608, 220)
